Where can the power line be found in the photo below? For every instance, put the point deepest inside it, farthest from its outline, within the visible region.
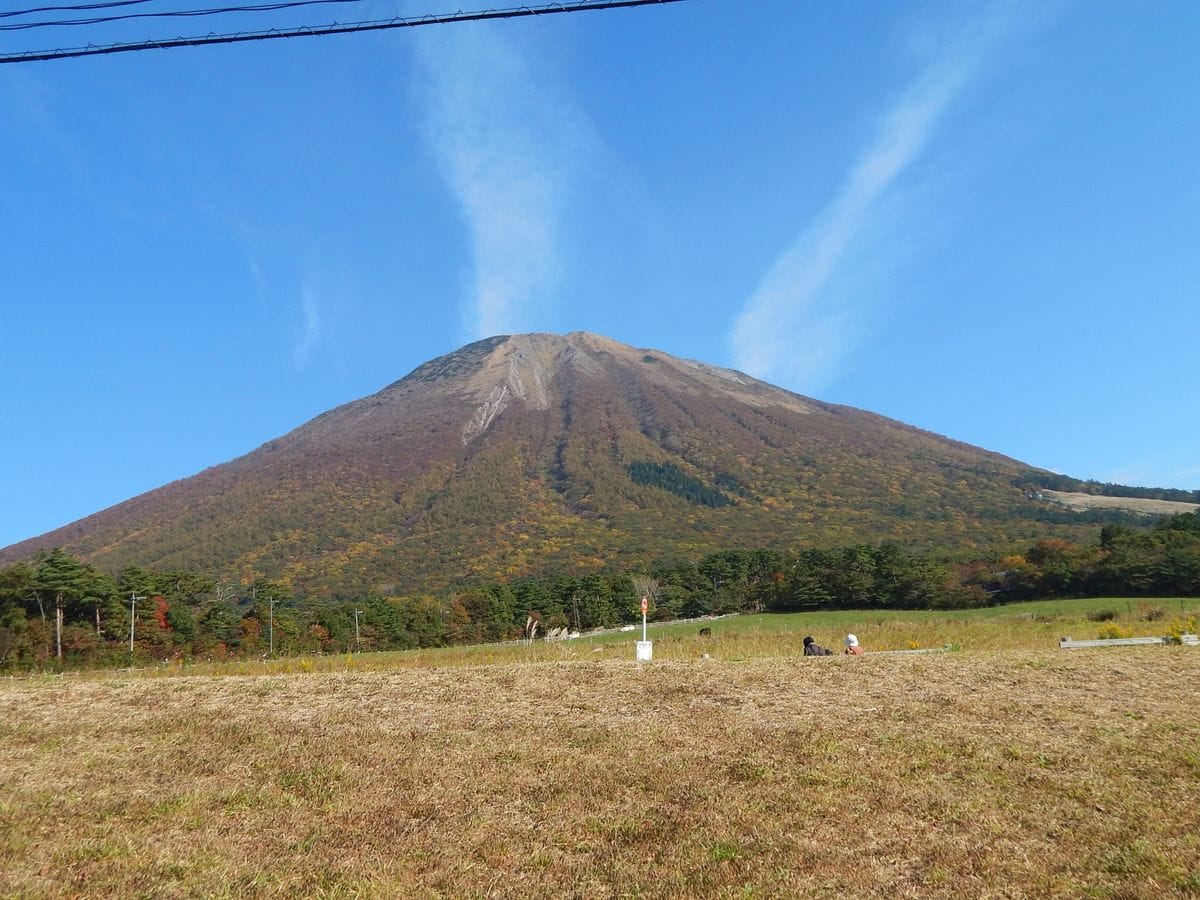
(171, 14)
(42, 9)
(322, 30)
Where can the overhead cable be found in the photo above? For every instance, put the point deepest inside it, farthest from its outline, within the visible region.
(172, 14)
(41, 9)
(322, 30)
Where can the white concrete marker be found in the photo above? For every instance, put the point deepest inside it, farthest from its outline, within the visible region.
(645, 648)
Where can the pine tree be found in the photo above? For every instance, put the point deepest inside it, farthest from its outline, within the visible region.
(65, 579)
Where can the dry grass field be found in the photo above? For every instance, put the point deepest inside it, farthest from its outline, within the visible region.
(1028, 772)
(1133, 504)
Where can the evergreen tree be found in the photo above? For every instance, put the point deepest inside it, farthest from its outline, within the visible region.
(64, 580)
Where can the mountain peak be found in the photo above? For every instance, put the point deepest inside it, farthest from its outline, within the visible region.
(541, 452)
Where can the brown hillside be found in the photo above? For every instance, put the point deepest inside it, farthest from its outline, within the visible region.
(538, 453)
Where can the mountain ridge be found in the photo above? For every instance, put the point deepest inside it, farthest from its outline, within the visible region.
(518, 453)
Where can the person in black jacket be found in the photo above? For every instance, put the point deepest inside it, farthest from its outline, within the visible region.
(812, 649)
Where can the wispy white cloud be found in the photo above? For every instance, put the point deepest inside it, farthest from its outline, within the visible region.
(510, 144)
(300, 295)
(312, 324)
(805, 315)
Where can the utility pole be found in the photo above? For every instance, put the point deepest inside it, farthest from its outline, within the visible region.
(133, 599)
(357, 613)
(271, 627)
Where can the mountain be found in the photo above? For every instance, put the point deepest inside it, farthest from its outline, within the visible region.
(541, 453)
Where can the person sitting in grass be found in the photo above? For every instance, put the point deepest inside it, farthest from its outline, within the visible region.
(852, 648)
(811, 648)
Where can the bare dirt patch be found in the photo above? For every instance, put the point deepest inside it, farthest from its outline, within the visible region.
(964, 774)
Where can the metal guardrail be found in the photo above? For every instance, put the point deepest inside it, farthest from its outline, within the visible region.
(1187, 640)
(907, 652)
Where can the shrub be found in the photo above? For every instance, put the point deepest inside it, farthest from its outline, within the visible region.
(1179, 627)
(1102, 615)
(1113, 630)
(967, 596)
(1153, 613)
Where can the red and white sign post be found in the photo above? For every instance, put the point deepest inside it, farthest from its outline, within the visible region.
(645, 648)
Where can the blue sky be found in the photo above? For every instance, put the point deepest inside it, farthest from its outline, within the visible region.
(982, 219)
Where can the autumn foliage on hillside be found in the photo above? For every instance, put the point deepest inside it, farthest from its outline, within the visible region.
(537, 455)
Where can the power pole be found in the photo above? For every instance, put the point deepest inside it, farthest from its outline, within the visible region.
(271, 627)
(133, 599)
(357, 613)
(58, 624)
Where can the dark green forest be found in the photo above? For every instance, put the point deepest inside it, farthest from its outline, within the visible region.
(671, 478)
(57, 611)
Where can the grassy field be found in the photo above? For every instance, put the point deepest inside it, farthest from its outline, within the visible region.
(1035, 625)
(1008, 768)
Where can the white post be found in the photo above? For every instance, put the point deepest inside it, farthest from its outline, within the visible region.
(271, 627)
(356, 641)
(645, 649)
(133, 599)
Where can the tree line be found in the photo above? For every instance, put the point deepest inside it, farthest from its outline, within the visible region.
(59, 611)
(1055, 482)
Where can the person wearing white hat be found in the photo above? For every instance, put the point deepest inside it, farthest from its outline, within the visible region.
(852, 648)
